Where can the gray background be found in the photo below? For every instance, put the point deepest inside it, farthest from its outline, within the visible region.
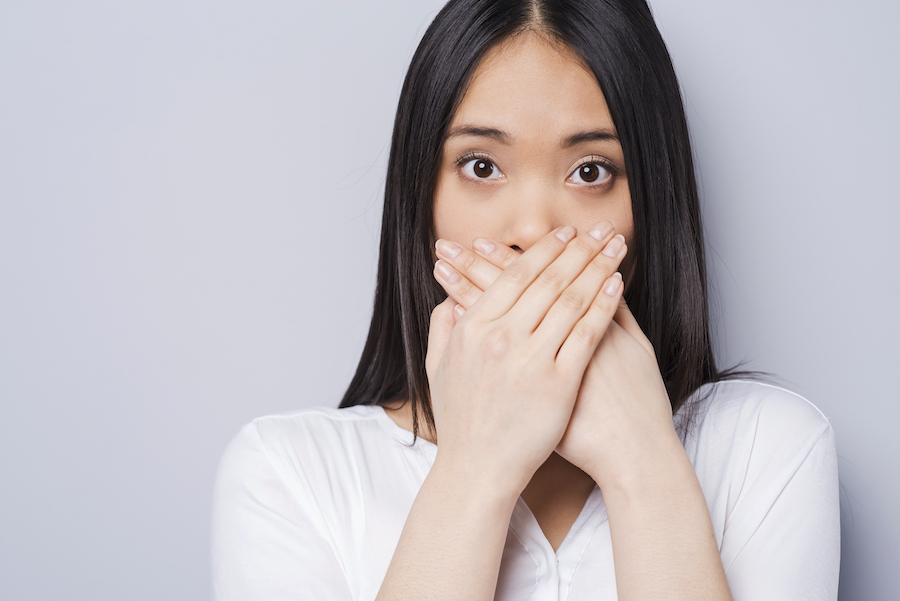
(189, 209)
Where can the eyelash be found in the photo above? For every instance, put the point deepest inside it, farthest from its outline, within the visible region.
(604, 164)
(593, 159)
(472, 156)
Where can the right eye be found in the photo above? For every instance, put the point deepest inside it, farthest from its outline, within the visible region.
(480, 168)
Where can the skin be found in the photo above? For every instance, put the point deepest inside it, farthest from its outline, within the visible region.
(542, 383)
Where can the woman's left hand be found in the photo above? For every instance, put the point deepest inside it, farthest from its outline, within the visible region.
(622, 421)
(621, 434)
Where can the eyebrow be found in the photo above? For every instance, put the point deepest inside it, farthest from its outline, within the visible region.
(599, 135)
(483, 132)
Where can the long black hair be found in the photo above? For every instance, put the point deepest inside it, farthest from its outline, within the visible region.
(621, 44)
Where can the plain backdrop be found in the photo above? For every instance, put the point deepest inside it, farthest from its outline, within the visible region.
(190, 198)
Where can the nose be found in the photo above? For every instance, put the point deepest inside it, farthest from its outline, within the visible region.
(532, 215)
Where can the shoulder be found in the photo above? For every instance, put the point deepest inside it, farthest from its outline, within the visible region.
(321, 449)
(766, 460)
(311, 436)
(317, 424)
(736, 409)
(305, 462)
(282, 494)
(738, 429)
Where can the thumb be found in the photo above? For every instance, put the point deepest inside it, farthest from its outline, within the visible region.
(625, 318)
(442, 322)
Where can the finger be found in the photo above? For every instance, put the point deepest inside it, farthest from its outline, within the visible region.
(575, 301)
(478, 270)
(625, 318)
(439, 334)
(456, 285)
(458, 312)
(557, 277)
(503, 294)
(499, 254)
(587, 332)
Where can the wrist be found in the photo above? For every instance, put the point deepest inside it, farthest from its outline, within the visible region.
(468, 482)
(645, 467)
(658, 513)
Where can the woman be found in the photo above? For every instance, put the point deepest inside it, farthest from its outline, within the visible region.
(513, 440)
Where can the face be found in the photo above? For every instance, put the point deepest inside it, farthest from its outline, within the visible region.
(532, 147)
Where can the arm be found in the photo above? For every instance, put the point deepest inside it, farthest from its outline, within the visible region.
(663, 540)
(621, 434)
(453, 538)
(503, 380)
(784, 518)
(265, 543)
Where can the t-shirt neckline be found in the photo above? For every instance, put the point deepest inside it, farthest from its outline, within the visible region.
(401, 434)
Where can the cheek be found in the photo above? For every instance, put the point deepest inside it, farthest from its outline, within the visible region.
(440, 209)
(625, 217)
(617, 208)
(444, 216)
(455, 216)
(627, 230)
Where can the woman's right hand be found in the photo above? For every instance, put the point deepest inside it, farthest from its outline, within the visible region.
(505, 376)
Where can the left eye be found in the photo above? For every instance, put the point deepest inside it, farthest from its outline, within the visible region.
(590, 173)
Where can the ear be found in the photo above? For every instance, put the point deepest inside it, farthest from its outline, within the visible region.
(626, 320)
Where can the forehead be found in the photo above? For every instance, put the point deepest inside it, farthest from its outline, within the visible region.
(531, 83)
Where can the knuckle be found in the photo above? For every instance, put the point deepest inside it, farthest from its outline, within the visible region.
(517, 273)
(465, 288)
(598, 270)
(604, 303)
(552, 245)
(584, 331)
(551, 278)
(583, 246)
(572, 299)
(469, 261)
(599, 267)
(508, 257)
(497, 341)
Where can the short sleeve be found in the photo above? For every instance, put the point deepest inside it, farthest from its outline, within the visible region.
(783, 535)
(267, 545)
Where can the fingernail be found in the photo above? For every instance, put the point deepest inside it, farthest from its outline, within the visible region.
(447, 272)
(483, 246)
(601, 230)
(613, 247)
(612, 286)
(458, 311)
(566, 233)
(447, 248)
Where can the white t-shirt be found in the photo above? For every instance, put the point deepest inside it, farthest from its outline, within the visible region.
(310, 505)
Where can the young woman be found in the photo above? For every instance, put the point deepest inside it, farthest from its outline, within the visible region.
(557, 427)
